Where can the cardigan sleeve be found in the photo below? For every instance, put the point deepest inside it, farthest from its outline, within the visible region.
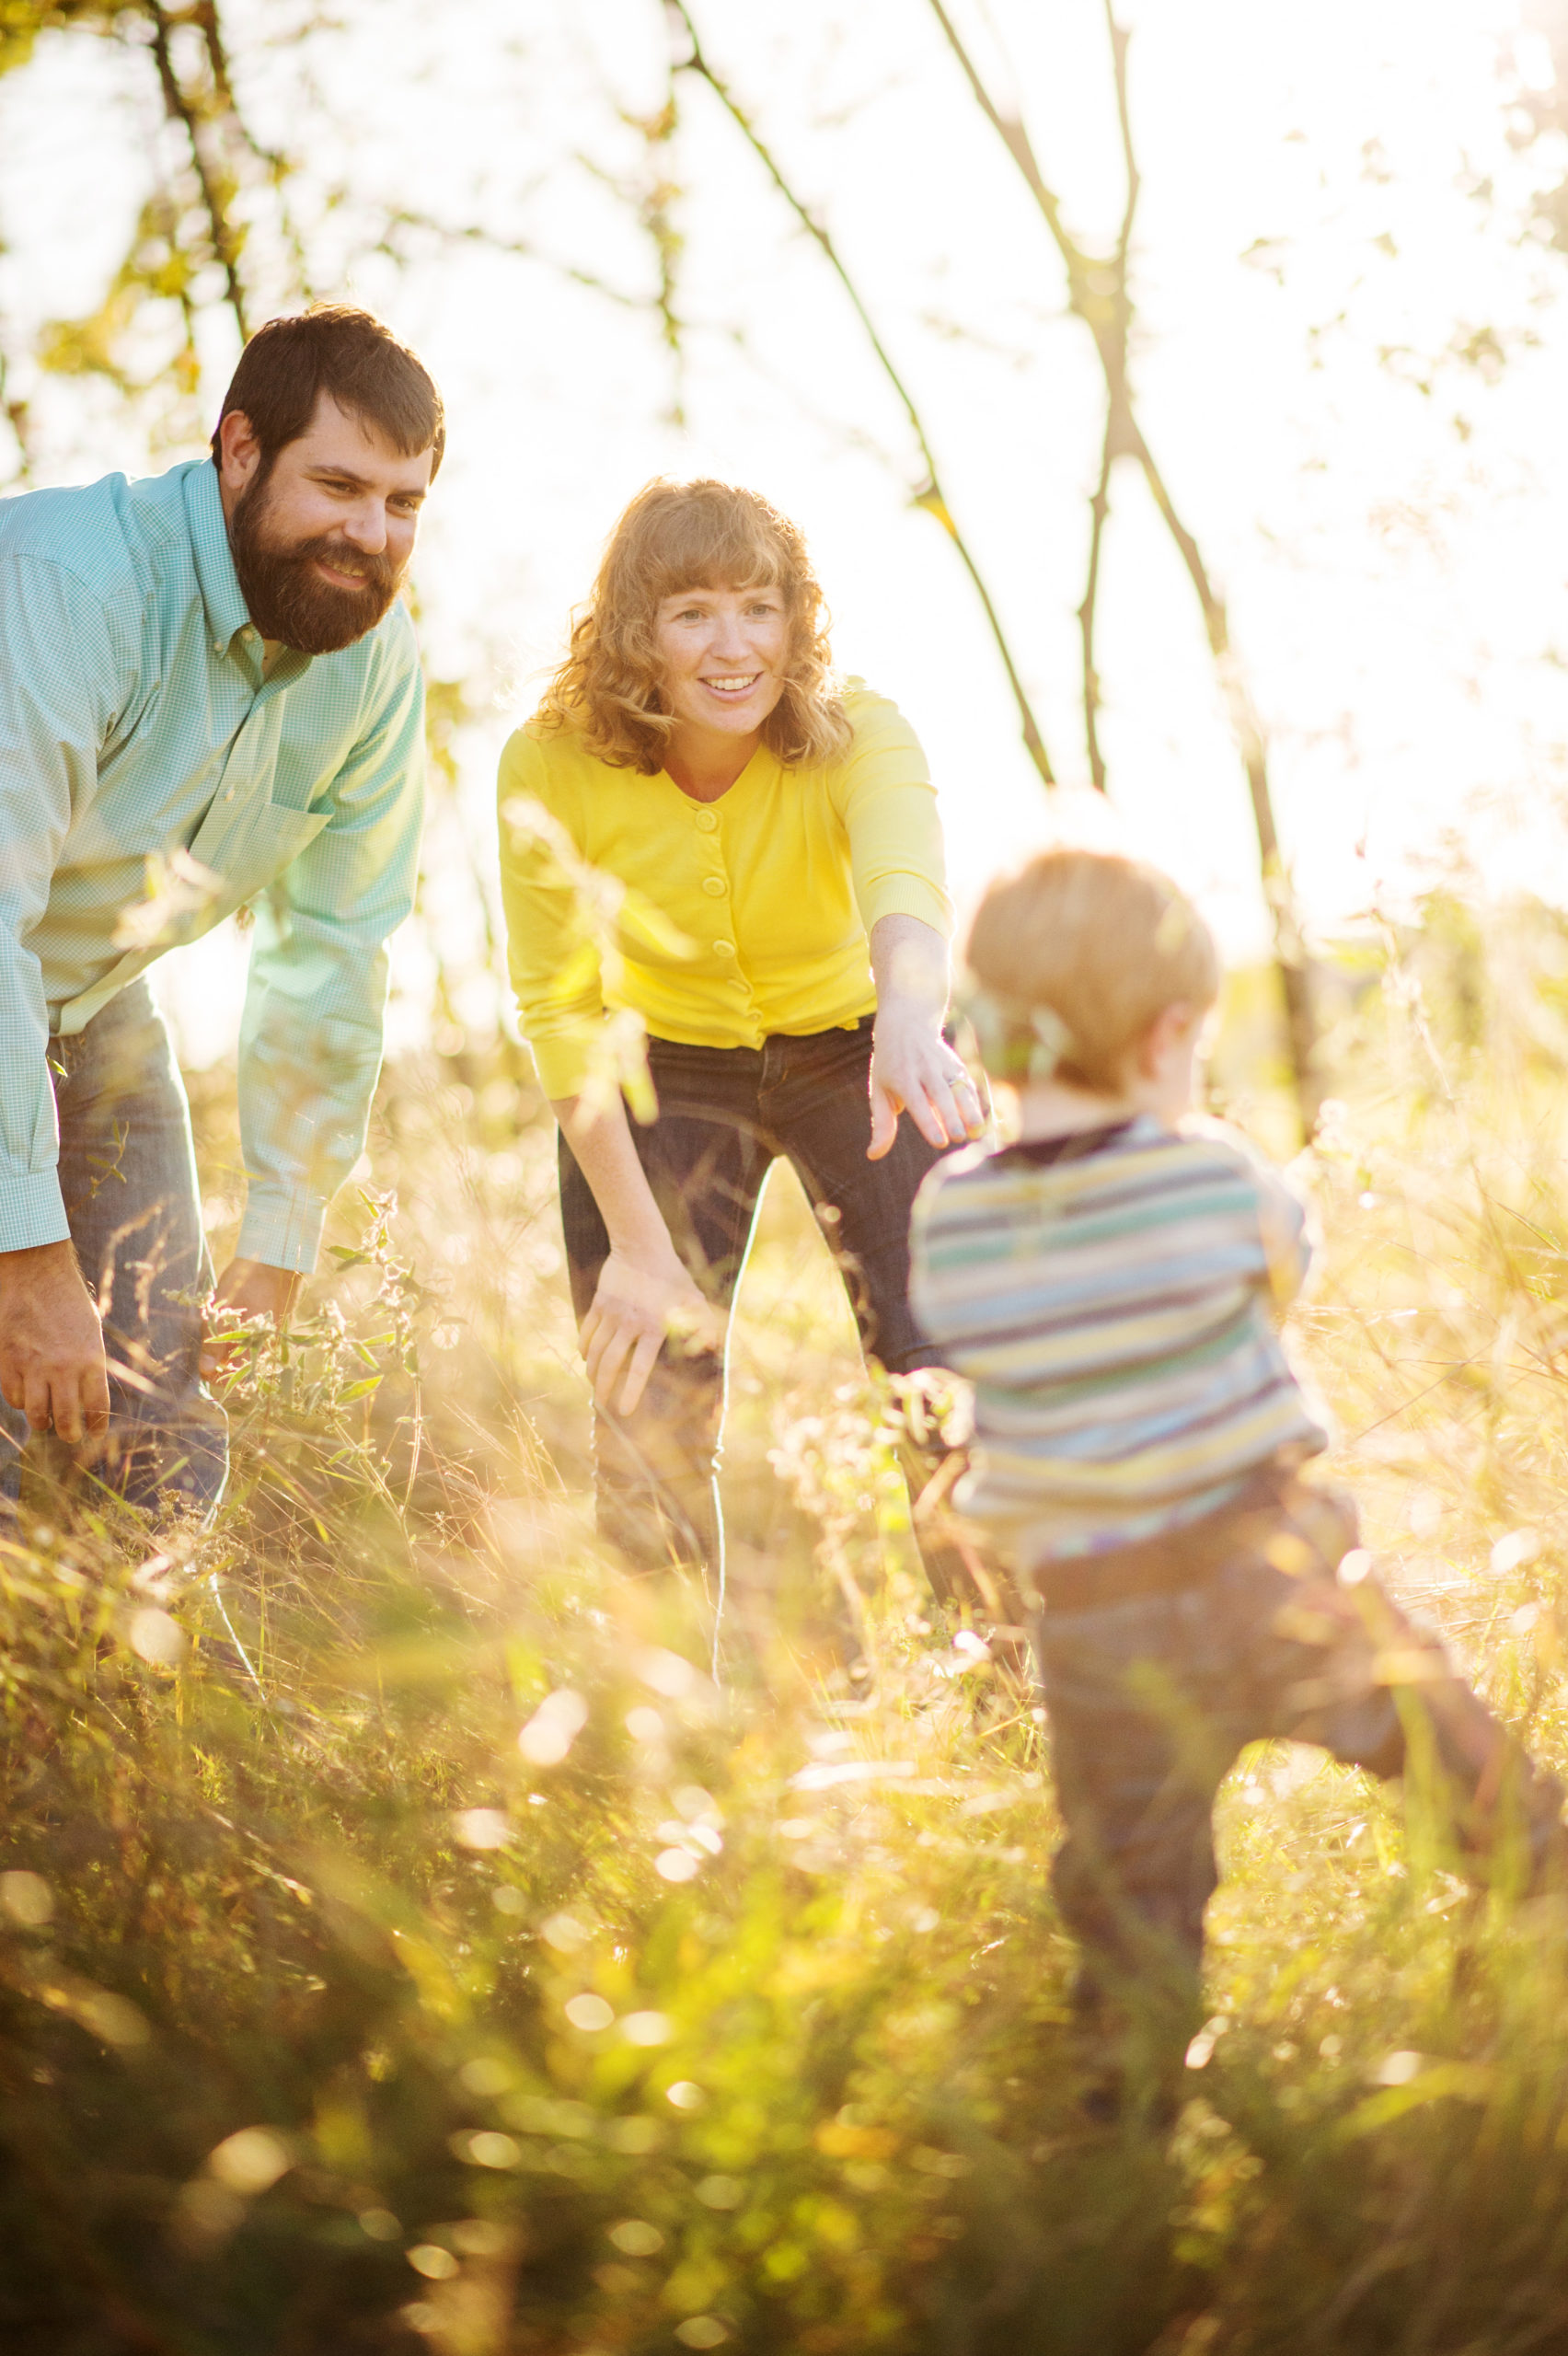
(552, 957)
(888, 808)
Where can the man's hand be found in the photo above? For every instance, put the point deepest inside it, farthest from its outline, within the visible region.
(51, 1363)
(245, 1289)
(633, 1310)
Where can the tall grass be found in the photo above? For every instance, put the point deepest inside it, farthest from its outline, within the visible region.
(416, 1934)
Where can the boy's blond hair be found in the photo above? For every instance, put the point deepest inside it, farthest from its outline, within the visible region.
(1074, 957)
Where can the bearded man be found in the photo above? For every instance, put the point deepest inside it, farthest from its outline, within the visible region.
(208, 697)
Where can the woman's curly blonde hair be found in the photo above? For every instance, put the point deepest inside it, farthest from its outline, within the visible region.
(678, 536)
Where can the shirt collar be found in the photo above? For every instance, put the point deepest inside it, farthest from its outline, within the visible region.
(221, 593)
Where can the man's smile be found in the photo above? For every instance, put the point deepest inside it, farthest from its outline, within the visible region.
(340, 576)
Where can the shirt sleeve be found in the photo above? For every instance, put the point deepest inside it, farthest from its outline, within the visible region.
(939, 1293)
(311, 1037)
(1285, 1239)
(889, 806)
(551, 955)
(61, 674)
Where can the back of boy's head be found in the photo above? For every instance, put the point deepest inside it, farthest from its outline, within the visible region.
(1075, 957)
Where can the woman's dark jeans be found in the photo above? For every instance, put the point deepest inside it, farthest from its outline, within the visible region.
(725, 1113)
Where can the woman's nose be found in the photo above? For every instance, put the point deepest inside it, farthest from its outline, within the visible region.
(729, 641)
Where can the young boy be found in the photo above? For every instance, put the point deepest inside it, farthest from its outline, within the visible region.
(1111, 1285)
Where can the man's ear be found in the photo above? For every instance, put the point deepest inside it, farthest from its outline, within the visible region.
(239, 451)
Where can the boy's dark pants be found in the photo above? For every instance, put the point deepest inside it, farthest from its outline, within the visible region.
(1162, 1660)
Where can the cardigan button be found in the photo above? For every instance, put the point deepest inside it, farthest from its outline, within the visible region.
(724, 948)
(706, 821)
(714, 887)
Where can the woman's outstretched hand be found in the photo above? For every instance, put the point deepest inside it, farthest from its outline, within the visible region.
(913, 1071)
(635, 1309)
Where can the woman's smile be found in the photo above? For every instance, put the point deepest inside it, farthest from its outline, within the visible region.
(725, 655)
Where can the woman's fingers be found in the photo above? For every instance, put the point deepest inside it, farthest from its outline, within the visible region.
(885, 1110)
(616, 1343)
(965, 1098)
(631, 1315)
(643, 1358)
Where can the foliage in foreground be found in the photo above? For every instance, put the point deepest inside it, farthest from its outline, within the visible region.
(415, 1934)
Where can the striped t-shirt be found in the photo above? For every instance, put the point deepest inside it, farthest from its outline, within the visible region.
(1112, 1296)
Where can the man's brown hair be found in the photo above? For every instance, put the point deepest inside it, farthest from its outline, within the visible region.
(1082, 951)
(348, 353)
(680, 536)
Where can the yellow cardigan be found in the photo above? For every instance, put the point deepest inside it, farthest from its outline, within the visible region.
(740, 917)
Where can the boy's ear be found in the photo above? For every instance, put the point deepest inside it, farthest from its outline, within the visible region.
(1172, 1028)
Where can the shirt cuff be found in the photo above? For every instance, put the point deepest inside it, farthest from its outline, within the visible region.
(282, 1230)
(909, 896)
(566, 1062)
(32, 1211)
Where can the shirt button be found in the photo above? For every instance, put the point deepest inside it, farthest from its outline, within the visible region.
(706, 821)
(714, 887)
(724, 948)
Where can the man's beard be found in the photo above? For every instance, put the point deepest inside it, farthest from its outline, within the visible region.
(287, 598)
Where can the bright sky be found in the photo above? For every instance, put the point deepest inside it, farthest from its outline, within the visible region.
(1326, 222)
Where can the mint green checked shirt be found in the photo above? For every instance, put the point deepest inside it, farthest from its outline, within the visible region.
(134, 724)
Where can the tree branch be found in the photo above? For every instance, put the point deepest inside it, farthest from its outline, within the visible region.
(1099, 507)
(1098, 291)
(931, 496)
(183, 108)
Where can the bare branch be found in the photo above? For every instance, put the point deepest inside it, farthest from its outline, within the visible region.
(1099, 507)
(1118, 37)
(470, 233)
(931, 496)
(1098, 291)
(186, 109)
(15, 409)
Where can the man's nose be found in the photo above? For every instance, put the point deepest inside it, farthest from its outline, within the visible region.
(366, 525)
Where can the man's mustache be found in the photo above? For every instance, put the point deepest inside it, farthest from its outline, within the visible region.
(377, 572)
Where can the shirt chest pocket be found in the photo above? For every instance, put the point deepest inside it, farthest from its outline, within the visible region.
(245, 850)
(247, 847)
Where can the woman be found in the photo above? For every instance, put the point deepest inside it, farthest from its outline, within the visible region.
(782, 932)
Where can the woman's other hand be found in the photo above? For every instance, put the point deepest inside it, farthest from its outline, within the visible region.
(635, 1309)
(913, 1069)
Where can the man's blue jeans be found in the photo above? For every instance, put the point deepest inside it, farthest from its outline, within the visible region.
(128, 1175)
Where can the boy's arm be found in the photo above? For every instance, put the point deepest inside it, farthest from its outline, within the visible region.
(1285, 1226)
(1287, 1237)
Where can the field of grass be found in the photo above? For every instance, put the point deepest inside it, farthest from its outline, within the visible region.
(416, 1934)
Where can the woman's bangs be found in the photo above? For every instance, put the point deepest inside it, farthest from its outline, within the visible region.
(697, 547)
